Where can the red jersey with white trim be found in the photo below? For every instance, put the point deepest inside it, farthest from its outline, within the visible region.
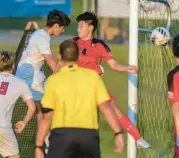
(173, 84)
(91, 52)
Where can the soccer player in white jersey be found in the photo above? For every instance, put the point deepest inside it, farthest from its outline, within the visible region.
(11, 88)
(37, 51)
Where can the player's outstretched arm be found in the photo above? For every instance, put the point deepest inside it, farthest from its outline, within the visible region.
(121, 68)
(31, 110)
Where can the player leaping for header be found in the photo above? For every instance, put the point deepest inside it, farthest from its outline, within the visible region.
(37, 51)
(92, 51)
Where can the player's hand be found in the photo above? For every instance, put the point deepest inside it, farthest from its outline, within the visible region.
(39, 153)
(170, 95)
(35, 25)
(119, 143)
(28, 26)
(20, 126)
(133, 69)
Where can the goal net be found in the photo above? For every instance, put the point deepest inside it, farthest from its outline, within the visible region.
(154, 111)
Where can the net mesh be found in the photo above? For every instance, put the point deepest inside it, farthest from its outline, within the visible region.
(154, 113)
(26, 139)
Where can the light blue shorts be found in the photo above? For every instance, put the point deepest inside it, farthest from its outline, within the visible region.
(26, 73)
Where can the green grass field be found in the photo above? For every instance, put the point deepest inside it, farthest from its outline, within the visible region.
(117, 84)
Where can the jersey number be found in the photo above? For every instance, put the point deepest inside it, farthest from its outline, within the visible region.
(3, 88)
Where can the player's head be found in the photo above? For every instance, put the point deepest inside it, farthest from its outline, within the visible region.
(176, 46)
(69, 51)
(87, 24)
(57, 21)
(6, 61)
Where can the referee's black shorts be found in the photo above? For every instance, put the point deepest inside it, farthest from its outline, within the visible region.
(74, 143)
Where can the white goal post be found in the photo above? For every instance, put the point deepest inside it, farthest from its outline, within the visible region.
(132, 79)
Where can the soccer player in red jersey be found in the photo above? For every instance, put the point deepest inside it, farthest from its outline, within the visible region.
(92, 51)
(173, 92)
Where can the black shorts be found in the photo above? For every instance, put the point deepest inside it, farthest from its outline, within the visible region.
(74, 143)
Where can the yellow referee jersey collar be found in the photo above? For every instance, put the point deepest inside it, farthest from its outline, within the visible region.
(70, 67)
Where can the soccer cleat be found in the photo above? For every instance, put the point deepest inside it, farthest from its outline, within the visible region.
(141, 143)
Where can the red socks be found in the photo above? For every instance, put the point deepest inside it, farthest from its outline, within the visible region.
(176, 148)
(128, 126)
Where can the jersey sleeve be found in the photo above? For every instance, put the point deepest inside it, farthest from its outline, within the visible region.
(43, 45)
(176, 87)
(25, 91)
(105, 53)
(101, 91)
(48, 100)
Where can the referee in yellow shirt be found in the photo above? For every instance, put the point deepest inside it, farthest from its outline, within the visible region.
(70, 102)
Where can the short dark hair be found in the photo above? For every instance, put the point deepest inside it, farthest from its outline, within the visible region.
(90, 18)
(69, 50)
(57, 17)
(176, 46)
(6, 60)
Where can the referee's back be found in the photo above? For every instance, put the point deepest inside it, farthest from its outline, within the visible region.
(73, 95)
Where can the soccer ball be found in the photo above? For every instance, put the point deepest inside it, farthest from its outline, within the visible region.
(160, 36)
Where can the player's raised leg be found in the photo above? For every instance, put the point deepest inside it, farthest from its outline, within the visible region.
(92, 51)
(127, 125)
